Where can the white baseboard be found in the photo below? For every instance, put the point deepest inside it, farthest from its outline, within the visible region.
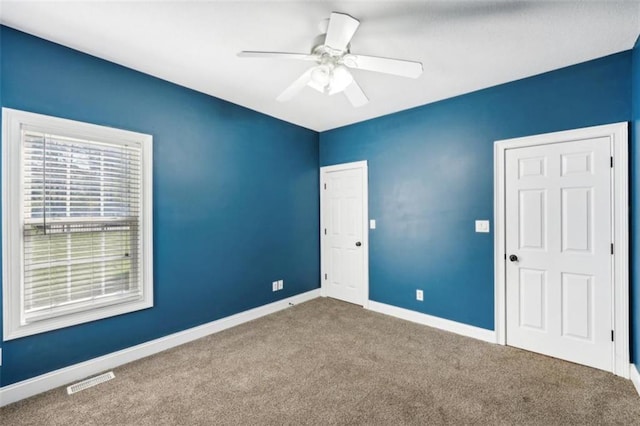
(436, 322)
(63, 376)
(634, 376)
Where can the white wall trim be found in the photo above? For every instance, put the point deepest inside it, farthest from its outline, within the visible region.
(635, 377)
(63, 376)
(365, 223)
(618, 134)
(435, 322)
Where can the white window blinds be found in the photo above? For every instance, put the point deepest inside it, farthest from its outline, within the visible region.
(81, 237)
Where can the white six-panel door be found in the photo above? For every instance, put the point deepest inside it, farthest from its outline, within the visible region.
(343, 233)
(558, 247)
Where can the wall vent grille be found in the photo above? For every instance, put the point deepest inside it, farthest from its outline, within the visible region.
(77, 387)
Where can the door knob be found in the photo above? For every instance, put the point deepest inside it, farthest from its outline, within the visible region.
(513, 258)
(358, 244)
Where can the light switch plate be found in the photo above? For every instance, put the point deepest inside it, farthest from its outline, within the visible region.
(482, 226)
(372, 224)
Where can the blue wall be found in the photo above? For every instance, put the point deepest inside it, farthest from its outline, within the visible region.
(431, 177)
(235, 197)
(635, 207)
(236, 192)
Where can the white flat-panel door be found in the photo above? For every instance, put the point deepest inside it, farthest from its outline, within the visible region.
(558, 241)
(343, 235)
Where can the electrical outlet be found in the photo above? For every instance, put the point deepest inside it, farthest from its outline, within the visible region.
(280, 284)
(274, 286)
(419, 295)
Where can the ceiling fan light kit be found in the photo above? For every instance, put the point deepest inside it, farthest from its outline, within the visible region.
(330, 79)
(331, 75)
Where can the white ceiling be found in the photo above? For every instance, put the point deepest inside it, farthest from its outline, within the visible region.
(464, 45)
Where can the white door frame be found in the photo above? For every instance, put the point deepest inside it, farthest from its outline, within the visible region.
(618, 134)
(365, 224)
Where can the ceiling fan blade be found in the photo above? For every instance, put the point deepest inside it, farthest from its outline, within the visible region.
(276, 55)
(295, 87)
(341, 29)
(399, 67)
(356, 96)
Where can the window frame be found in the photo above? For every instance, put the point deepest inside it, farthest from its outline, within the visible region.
(13, 220)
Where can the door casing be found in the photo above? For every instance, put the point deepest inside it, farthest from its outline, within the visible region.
(618, 134)
(365, 224)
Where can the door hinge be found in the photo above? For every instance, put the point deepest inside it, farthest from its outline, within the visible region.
(325, 276)
(505, 256)
(325, 186)
(325, 231)
(611, 161)
(611, 248)
(612, 335)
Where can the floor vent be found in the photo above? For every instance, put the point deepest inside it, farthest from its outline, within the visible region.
(77, 387)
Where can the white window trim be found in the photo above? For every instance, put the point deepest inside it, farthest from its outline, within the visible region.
(12, 243)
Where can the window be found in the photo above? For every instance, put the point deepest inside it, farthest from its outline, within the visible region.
(76, 222)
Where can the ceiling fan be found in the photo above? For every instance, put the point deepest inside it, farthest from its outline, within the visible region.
(333, 59)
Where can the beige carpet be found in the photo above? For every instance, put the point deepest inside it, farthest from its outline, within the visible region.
(328, 362)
